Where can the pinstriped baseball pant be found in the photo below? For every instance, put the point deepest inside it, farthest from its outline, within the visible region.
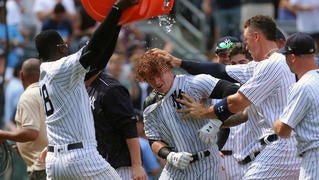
(85, 163)
(310, 165)
(278, 160)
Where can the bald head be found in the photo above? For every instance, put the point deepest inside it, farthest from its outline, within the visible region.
(30, 71)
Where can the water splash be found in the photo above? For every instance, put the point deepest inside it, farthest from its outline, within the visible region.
(166, 21)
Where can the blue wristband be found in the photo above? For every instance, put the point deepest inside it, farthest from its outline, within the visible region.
(221, 110)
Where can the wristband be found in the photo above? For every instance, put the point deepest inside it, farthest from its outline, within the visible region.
(164, 151)
(221, 110)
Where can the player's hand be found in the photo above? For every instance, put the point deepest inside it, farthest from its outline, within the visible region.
(138, 173)
(43, 155)
(179, 159)
(173, 61)
(194, 109)
(208, 133)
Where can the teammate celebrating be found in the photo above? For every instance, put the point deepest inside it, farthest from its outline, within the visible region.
(72, 152)
(175, 140)
(301, 113)
(266, 85)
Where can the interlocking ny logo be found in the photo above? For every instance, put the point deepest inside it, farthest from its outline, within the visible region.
(177, 94)
(220, 109)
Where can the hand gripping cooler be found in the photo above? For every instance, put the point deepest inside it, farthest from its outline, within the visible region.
(146, 9)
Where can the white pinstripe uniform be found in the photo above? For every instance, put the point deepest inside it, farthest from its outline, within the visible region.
(70, 120)
(233, 170)
(302, 114)
(267, 87)
(163, 123)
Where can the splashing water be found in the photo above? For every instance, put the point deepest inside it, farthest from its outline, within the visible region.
(166, 22)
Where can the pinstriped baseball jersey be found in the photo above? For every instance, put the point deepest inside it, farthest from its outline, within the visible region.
(302, 114)
(70, 120)
(64, 94)
(267, 88)
(302, 111)
(163, 123)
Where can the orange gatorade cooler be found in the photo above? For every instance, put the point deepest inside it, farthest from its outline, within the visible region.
(98, 9)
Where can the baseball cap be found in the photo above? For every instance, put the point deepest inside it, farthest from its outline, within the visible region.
(299, 43)
(225, 43)
(280, 34)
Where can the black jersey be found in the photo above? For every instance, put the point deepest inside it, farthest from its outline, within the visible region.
(114, 119)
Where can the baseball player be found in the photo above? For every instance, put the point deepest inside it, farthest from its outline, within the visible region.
(189, 154)
(115, 125)
(72, 152)
(222, 49)
(301, 113)
(266, 85)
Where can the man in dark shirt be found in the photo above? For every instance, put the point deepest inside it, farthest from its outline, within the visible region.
(115, 125)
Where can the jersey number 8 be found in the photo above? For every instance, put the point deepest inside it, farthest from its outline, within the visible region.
(47, 102)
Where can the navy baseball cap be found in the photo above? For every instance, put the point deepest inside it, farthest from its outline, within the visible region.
(280, 34)
(299, 43)
(225, 43)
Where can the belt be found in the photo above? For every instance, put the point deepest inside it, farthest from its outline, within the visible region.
(78, 145)
(268, 139)
(200, 155)
(227, 152)
(249, 158)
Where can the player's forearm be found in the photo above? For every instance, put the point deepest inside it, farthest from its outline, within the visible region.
(235, 120)
(20, 135)
(227, 107)
(135, 151)
(214, 69)
(282, 129)
(157, 146)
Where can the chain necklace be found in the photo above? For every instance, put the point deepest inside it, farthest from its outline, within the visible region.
(269, 53)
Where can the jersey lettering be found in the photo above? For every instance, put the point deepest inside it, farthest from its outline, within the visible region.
(176, 95)
(47, 102)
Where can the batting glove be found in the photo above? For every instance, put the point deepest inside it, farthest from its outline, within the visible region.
(208, 133)
(179, 159)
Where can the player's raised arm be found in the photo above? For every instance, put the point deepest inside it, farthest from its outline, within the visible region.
(101, 46)
(216, 70)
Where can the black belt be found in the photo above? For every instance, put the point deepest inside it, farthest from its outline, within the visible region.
(248, 159)
(78, 145)
(200, 155)
(268, 139)
(227, 152)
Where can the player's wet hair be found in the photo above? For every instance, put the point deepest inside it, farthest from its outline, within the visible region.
(150, 65)
(46, 43)
(264, 24)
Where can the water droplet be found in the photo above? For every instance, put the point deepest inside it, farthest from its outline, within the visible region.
(166, 22)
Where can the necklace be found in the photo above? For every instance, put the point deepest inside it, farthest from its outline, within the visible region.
(269, 53)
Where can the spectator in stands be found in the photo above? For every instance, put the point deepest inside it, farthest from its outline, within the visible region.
(59, 22)
(227, 17)
(307, 13)
(250, 8)
(13, 91)
(115, 66)
(15, 41)
(84, 25)
(286, 11)
(2, 67)
(44, 9)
